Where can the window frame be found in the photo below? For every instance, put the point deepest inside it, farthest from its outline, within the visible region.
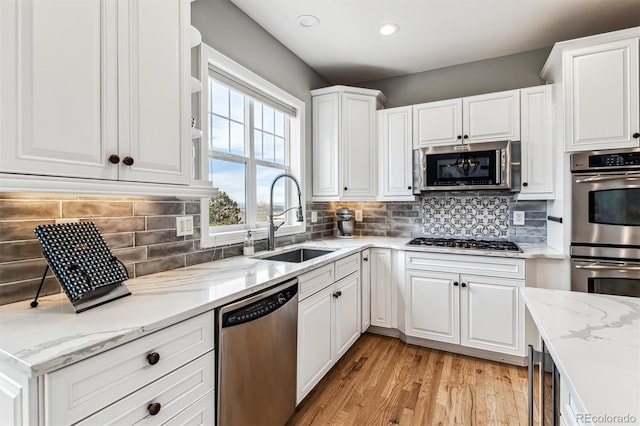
(296, 140)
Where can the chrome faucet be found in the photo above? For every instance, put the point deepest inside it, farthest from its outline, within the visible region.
(272, 226)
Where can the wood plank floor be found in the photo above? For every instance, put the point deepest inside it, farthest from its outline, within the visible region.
(383, 381)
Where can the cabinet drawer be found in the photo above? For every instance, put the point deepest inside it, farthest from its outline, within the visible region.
(202, 412)
(314, 281)
(347, 266)
(174, 392)
(81, 389)
(500, 267)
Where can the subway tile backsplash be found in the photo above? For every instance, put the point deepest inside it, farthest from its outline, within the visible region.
(141, 230)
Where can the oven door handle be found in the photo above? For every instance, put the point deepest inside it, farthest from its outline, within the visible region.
(608, 267)
(603, 178)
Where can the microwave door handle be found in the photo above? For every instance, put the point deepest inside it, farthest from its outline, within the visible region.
(608, 267)
(602, 178)
(499, 159)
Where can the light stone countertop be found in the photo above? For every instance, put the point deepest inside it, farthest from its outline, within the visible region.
(41, 340)
(594, 341)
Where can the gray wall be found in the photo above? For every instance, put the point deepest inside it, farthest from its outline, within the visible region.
(474, 78)
(230, 31)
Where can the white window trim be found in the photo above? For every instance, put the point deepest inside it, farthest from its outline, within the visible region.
(210, 56)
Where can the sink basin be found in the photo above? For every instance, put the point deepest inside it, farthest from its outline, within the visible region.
(297, 256)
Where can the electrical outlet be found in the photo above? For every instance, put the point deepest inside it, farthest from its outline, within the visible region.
(518, 218)
(184, 225)
(314, 217)
(358, 215)
(74, 220)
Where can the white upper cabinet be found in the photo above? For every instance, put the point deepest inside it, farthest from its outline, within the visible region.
(491, 117)
(481, 118)
(437, 123)
(395, 144)
(602, 96)
(537, 160)
(98, 89)
(344, 143)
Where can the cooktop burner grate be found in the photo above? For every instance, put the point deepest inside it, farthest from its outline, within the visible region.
(465, 244)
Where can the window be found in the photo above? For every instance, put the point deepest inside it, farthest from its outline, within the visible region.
(252, 133)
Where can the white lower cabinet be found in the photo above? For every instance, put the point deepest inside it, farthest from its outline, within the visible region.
(329, 322)
(477, 311)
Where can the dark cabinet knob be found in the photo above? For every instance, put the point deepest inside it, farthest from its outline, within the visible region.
(459, 137)
(153, 358)
(337, 294)
(154, 408)
(463, 284)
(366, 259)
(128, 161)
(345, 188)
(114, 159)
(525, 184)
(636, 135)
(466, 136)
(455, 283)
(409, 187)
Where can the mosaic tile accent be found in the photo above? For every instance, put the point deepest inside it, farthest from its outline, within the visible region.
(473, 216)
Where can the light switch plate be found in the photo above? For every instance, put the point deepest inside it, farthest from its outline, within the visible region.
(518, 218)
(314, 217)
(184, 225)
(358, 215)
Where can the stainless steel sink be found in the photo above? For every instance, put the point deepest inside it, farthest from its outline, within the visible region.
(298, 255)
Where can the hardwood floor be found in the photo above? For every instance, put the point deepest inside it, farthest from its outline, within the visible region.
(383, 381)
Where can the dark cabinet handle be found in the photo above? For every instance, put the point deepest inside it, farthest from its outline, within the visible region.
(366, 259)
(636, 135)
(466, 136)
(525, 184)
(409, 187)
(128, 161)
(345, 188)
(455, 283)
(153, 358)
(459, 137)
(463, 284)
(114, 159)
(154, 408)
(337, 294)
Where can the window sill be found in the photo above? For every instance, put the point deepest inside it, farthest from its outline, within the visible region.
(236, 237)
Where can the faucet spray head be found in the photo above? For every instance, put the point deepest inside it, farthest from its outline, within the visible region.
(299, 214)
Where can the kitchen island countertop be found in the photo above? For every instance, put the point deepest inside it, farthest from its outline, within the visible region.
(594, 341)
(37, 341)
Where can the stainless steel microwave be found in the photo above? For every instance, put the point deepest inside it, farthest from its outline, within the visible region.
(486, 165)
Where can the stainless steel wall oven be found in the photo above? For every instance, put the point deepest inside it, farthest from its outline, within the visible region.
(605, 232)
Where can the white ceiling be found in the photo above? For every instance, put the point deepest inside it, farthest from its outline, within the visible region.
(347, 48)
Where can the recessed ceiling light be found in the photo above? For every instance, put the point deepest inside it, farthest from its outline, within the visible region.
(307, 21)
(389, 29)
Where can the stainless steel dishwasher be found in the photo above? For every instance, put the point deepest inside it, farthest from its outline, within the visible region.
(257, 358)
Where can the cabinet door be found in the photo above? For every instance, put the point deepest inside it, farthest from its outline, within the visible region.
(601, 96)
(437, 123)
(358, 146)
(365, 277)
(154, 93)
(537, 143)
(491, 117)
(492, 314)
(315, 343)
(381, 288)
(58, 87)
(432, 306)
(347, 317)
(326, 161)
(394, 141)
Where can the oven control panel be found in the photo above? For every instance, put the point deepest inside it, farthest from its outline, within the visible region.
(606, 160)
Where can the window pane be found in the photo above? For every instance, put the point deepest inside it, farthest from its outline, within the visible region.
(219, 99)
(237, 138)
(264, 177)
(279, 124)
(267, 147)
(257, 144)
(228, 207)
(237, 107)
(267, 115)
(219, 138)
(279, 150)
(257, 115)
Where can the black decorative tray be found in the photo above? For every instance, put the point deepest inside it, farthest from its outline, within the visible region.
(80, 259)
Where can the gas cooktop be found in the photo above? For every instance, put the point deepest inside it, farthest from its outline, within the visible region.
(465, 244)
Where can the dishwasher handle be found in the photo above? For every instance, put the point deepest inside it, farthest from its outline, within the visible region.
(260, 305)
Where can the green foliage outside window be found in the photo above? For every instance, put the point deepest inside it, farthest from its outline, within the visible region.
(223, 210)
